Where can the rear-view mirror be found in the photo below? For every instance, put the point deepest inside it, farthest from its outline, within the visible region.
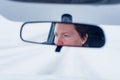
(61, 33)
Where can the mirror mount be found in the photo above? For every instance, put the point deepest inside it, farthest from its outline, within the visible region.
(64, 18)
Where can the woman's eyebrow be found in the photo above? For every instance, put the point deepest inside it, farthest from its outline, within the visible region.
(66, 33)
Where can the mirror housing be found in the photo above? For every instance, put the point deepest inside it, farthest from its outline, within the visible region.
(43, 32)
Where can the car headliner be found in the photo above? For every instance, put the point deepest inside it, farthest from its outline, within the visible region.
(74, 1)
(91, 14)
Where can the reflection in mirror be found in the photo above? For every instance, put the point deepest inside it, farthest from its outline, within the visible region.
(63, 34)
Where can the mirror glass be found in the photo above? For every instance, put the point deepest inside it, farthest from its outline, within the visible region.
(61, 33)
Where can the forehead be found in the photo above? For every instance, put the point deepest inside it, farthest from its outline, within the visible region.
(64, 26)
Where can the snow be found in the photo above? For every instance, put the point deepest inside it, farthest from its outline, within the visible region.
(25, 61)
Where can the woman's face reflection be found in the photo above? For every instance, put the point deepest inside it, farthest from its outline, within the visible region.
(66, 34)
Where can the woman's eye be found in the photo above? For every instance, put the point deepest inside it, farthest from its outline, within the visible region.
(66, 35)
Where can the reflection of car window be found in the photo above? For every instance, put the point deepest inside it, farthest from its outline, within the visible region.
(36, 32)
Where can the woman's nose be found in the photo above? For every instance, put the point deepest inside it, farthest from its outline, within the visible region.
(59, 41)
